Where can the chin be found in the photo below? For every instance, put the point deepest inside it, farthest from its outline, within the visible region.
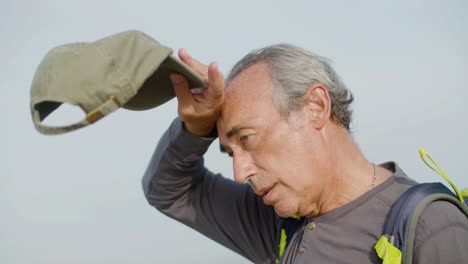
(285, 211)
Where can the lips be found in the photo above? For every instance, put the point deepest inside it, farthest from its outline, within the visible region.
(265, 192)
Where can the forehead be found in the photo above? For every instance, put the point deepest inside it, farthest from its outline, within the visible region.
(254, 79)
(248, 97)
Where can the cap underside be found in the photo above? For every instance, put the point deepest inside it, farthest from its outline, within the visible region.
(157, 89)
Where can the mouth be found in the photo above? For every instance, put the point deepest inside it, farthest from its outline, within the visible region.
(265, 192)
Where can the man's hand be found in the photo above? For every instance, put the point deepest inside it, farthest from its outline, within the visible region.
(199, 110)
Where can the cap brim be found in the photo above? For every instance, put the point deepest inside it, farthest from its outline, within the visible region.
(157, 89)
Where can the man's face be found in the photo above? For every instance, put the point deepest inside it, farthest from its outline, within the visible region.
(269, 151)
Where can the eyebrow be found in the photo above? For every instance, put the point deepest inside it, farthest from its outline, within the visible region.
(233, 131)
(230, 134)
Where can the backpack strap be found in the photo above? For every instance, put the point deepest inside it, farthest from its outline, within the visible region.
(398, 220)
(400, 226)
(396, 245)
(411, 232)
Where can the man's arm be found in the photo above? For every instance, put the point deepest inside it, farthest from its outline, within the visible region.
(177, 183)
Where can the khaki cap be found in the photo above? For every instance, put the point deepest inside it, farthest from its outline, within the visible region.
(129, 70)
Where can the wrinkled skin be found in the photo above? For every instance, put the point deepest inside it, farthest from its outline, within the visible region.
(302, 163)
(270, 151)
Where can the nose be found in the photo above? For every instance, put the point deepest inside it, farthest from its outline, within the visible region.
(243, 166)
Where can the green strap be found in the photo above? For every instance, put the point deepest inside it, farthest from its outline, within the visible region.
(295, 217)
(282, 245)
(464, 193)
(444, 175)
(387, 252)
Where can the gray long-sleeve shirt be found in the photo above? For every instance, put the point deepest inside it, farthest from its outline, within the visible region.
(177, 183)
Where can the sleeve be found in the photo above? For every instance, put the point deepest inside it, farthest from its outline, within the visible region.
(441, 235)
(177, 183)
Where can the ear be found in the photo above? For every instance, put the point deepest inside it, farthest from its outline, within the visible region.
(318, 105)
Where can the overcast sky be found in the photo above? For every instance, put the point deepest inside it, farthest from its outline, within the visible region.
(77, 198)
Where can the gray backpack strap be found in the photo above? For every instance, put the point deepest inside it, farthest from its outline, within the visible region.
(400, 226)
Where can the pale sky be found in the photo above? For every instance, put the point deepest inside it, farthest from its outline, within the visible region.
(77, 198)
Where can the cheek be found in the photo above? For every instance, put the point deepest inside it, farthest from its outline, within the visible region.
(286, 147)
(282, 154)
(277, 152)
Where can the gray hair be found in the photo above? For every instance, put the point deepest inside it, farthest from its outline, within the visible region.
(293, 70)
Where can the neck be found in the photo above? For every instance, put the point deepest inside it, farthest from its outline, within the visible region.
(349, 174)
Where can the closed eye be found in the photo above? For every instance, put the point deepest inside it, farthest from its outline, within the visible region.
(244, 138)
(223, 150)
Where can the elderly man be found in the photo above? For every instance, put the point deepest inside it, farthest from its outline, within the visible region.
(284, 119)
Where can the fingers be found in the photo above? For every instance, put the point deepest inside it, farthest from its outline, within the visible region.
(181, 88)
(200, 68)
(210, 73)
(216, 80)
(199, 109)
